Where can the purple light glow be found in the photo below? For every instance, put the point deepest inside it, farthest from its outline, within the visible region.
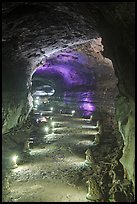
(78, 96)
(87, 107)
(71, 67)
(70, 75)
(83, 99)
(72, 70)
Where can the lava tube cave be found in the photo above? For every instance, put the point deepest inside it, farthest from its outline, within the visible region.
(68, 102)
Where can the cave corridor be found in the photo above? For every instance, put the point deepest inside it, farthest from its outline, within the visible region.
(68, 102)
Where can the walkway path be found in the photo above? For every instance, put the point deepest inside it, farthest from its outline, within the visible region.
(56, 171)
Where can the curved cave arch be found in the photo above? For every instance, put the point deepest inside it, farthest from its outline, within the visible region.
(66, 68)
(70, 71)
(26, 41)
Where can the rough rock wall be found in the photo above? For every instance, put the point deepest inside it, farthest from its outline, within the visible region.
(31, 31)
(15, 91)
(115, 21)
(126, 122)
(117, 28)
(64, 23)
(12, 113)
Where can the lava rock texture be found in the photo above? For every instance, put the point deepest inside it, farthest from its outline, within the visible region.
(33, 30)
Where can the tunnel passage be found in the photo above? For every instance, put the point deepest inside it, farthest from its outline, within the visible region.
(33, 30)
(66, 125)
(68, 68)
(70, 76)
(75, 77)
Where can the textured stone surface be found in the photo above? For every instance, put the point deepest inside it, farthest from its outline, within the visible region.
(126, 122)
(94, 192)
(31, 31)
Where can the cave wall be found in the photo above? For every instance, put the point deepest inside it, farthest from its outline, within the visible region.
(24, 35)
(15, 90)
(118, 33)
(126, 121)
(30, 31)
(115, 21)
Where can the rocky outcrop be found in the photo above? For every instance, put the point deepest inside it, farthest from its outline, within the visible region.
(126, 122)
(13, 113)
(117, 28)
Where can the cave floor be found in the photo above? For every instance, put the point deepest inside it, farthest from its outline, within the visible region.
(55, 168)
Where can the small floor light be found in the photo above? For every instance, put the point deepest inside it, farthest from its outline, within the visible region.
(46, 129)
(14, 159)
(53, 124)
(37, 102)
(91, 117)
(73, 112)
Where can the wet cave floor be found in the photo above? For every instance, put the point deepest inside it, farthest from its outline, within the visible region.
(54, 169)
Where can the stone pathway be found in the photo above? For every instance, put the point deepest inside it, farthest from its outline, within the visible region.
(55, 170)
